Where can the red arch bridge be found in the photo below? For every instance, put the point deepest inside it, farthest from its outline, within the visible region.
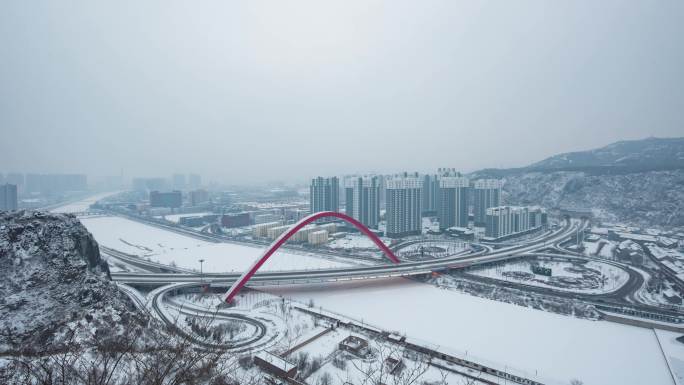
(278, 242)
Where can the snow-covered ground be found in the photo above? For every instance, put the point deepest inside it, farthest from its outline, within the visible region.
(436, 248)
(554, 346)
(674, 352)
(430, 224)
(592, 277)
(355, 241)
(81, 205)
(168, 247)
(602, 248)
(655, 297)
(355, 370)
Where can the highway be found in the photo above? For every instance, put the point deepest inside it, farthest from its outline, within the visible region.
(348, 273)
(155, 306)
(172, 278)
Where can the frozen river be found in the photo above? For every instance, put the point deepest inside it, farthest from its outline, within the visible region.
(554, 346)
(167, 247)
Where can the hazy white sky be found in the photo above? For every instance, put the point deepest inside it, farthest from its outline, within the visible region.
(253, 90)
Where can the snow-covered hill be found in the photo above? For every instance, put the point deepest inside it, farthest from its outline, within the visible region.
(651, 153)
(639, 182)
(53, 283)
(654, 198)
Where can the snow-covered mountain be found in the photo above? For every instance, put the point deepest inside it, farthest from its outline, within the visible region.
(653, 198)
(53, 283)
(639, 182)
(649, 153)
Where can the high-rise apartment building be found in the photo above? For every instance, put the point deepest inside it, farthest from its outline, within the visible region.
(362, 200)
(453, 202)
(324, 194)
(487, 193)
(430, 194)
(8, 197)
(538, 217)
(404, 206)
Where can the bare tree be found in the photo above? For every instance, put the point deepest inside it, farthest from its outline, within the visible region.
(376, 370)
(136, 354)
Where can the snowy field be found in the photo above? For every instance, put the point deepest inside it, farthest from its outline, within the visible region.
(555, 346)
(602, 248)
(81, 205)
(592, 277)
(672, 349)
(436, 248)
(355, 241)
(167, 247)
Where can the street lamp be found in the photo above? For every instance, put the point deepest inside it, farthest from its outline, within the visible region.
(201, 261)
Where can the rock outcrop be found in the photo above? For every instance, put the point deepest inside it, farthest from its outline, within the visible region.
(53, 283)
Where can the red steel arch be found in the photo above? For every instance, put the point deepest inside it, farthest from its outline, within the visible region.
(240, 283)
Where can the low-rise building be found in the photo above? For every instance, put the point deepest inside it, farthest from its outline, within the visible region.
(266, 218)
(355, 345)
(329, 227)
(461, 232)
(503, 221)
(193, 221)
(275, 365)
(275, 232)
(171, 199)
(235, 220)
(303, 234)
(198, 220)
(261, 230)
(318, 237)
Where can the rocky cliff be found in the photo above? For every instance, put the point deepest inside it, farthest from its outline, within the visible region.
(53, 283)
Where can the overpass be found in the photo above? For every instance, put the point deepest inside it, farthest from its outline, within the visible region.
(280, 241)
(404, 269)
